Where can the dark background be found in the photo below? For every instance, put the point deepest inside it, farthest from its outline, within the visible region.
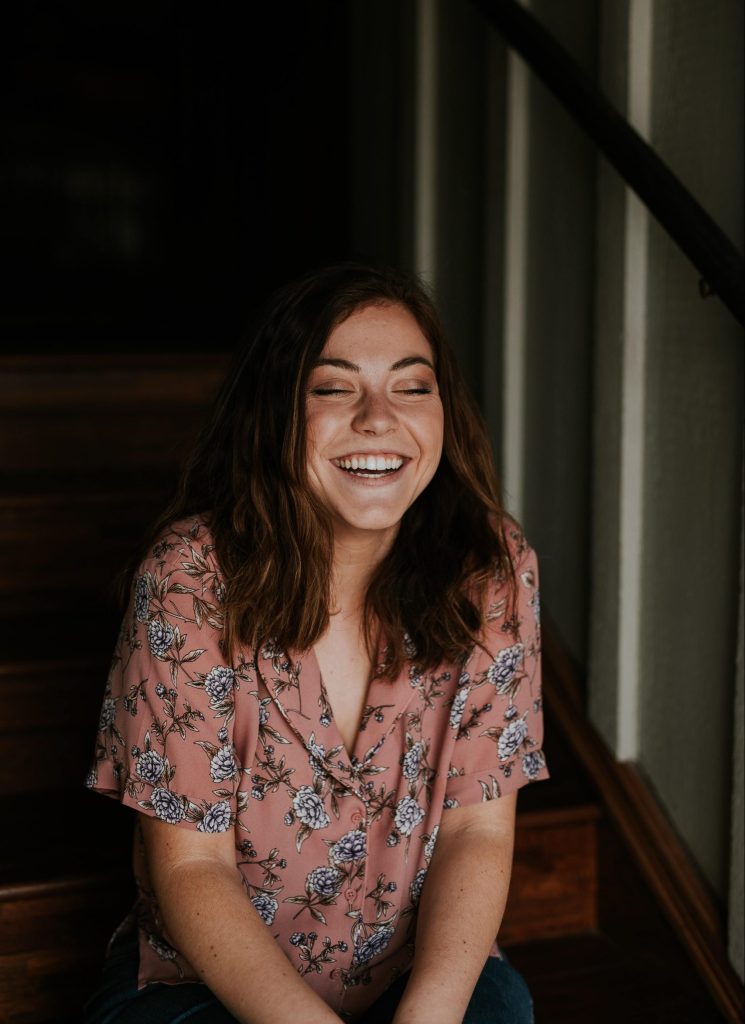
(165, 165)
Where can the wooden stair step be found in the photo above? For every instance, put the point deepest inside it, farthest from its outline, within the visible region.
(587, 978)
(49, 540)
(89, 412)
(63, 835)
(48, 715)
(53, 938)
(553, 891)
(56, 914)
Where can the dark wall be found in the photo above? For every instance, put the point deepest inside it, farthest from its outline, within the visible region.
(165, 164)
(162, 167)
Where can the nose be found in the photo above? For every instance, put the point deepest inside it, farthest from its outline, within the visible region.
(374, 414)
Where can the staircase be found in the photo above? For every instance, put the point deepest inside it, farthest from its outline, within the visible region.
(90, 446)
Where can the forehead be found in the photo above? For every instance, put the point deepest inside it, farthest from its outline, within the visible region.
(378, 330)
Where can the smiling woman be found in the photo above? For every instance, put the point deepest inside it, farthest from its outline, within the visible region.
(327, 688)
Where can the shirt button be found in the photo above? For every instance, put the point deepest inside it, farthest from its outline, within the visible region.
(349, 895)
(356, 817)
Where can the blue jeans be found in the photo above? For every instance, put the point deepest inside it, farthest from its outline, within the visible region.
(500, 997)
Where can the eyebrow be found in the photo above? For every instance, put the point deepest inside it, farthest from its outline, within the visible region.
(400, 364)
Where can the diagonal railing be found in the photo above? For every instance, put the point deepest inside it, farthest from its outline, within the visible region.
(684, 219)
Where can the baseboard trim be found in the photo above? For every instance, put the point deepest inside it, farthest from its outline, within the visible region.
(641, 823)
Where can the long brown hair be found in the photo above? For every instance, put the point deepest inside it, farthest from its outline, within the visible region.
(247, 475)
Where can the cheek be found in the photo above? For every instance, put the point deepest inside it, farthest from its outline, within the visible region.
(320, 427)
(313, 434)
(436, 434)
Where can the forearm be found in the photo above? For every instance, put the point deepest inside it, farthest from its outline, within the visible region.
(462, 904)
(209, 919)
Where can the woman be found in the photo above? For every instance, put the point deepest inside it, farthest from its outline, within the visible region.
(327, 689)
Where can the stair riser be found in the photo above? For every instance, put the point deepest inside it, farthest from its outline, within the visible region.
(553, 892)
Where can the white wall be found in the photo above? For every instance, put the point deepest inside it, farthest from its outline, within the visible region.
(667, 700)
(548, 327)
(737, 847)
(613, 390)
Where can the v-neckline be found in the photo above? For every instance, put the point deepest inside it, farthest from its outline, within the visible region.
(385, 702)
(312, 656)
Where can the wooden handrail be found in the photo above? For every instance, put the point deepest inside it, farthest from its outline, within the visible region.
(684, 219)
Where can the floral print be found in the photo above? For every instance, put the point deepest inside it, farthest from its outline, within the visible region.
(502, 670)
(216, 818)
(408, 815)
(415, 889)
(160, 637)
(309, 808)
(373, 946)
(332, 846)
(142, 599)
(324, 881)
(150, 766)
(222, 765)
(411, 761)
(167, 806)
(351, 847)
(219, 682)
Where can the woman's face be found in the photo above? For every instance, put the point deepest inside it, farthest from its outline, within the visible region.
(374, 421)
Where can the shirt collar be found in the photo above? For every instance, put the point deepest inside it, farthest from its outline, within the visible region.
(293, 682)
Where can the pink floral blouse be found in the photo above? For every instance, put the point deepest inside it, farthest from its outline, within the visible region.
(332, 849)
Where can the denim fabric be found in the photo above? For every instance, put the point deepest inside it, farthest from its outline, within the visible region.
(500, 997)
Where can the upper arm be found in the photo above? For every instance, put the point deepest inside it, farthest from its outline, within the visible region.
(170, 849)
(496, 817)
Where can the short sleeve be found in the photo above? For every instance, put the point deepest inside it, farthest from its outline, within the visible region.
(497, 711)
(165, 743)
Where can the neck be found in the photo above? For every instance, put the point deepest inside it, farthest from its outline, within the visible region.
(355, 560)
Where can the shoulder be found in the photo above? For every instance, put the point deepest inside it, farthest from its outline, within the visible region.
(512, 604)
(521, 568)
(523, 559)
(518, 548)
(186, 548)
(180, 565)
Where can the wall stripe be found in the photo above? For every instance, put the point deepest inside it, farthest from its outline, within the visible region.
(631, 553)
(515, 283)
(425, 142)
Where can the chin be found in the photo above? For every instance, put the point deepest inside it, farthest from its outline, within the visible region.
(366, 524)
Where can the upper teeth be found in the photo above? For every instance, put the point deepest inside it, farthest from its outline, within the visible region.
(370, 462)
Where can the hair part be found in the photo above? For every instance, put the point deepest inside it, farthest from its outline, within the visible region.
(247, 476)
